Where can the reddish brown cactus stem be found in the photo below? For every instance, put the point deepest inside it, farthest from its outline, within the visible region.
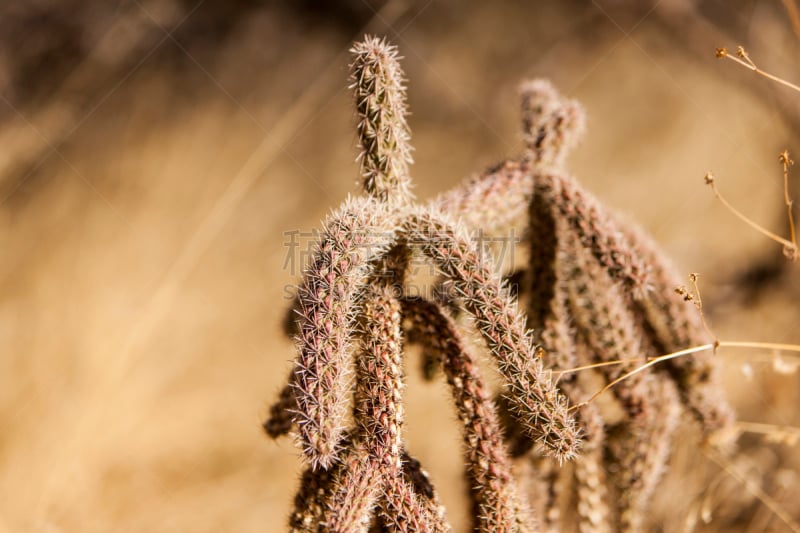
(674, 326)
(642, 448)
(537, 403)
(494, 201)
(497, 503)
(607, 325)
(383, 134)
(595, 227)
(354, 493)
(329, 301)
(551, 126)
(594, 510)
(380, 410)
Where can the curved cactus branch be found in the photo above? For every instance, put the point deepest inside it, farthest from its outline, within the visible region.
(329, 301)
(538, 405)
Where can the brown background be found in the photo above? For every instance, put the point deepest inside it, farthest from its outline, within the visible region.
(153, 153)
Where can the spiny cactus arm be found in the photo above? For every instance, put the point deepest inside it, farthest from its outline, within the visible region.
(422, 486)
(559, 337)
(280, 420)
(642, 448)
(494, 201)
(676, 325)
(596, 228)
(589, 469)
(546, 304)
(537, 403)
(594, 509)
(497, 499)
(329, 302)
(540, 277)
(379, 384)
(543, 478)
(606, 323)
(402, 509)
(518, 442)
(355, 491)
(549, 306)
(552, 126)
(383, 133)
(379, 408)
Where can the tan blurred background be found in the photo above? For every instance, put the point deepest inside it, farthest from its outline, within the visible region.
(154, 153)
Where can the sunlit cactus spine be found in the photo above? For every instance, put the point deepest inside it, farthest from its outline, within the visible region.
(596, 290)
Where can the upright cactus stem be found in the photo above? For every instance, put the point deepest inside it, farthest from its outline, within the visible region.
(383, 134)
(551, 127)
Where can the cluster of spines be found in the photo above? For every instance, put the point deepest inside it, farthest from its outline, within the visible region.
(598, 291)
(329, 300)
(496, 499)
(383, 134)
(359, 476)
(590, 281)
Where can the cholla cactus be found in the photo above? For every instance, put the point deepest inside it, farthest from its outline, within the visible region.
(595, 291)
(599, 291)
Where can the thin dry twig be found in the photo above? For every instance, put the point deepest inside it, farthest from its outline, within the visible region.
(789, 246)
(743, 58)
(786, 161)
(674, 355)
(753, 488)
(695, 298)
(789, 435)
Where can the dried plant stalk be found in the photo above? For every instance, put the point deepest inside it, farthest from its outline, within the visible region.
(676, 326)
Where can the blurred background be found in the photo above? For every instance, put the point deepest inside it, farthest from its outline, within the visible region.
(156, 157)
